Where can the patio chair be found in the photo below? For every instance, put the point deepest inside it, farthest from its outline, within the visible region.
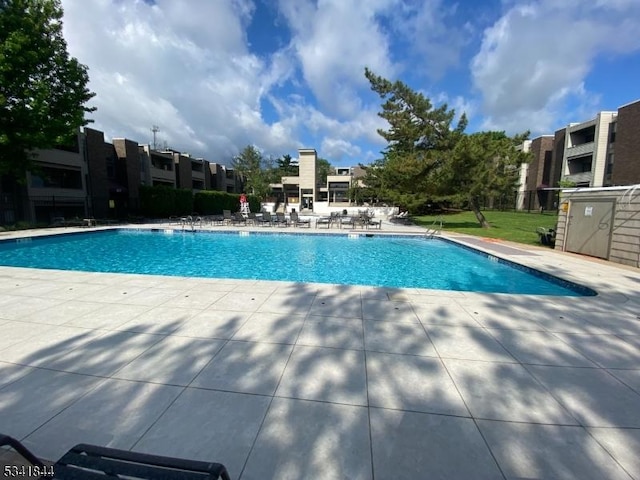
(265, 219)
(349, 221)
(226, 215)
(90, 462)
(238, 219)
(251, 218)
(326, 221)
(281, 219)
(298, 222)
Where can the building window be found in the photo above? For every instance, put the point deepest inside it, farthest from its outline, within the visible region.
(57, 178)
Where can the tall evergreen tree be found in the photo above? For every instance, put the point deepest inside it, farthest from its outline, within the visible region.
(43, 91)
(428, 158)
(419, 138)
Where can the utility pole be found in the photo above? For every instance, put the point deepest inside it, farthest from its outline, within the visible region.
(155, 129)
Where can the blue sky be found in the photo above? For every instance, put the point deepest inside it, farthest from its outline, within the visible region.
(217, 75)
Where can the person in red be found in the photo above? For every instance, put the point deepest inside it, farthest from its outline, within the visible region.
(243, 198)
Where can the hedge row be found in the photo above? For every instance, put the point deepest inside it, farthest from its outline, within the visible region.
(162, 201)
(212, 202)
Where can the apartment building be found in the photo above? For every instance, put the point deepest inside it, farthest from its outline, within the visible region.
(538, 176)
(95, 178)
(306, 192)
(587, 151)
(57, 189)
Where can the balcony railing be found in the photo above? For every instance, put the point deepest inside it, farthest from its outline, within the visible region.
(582, 177)
(581, 150)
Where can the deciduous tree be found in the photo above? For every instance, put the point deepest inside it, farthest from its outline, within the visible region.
(254, 167)
(43, 91)
(483, 164)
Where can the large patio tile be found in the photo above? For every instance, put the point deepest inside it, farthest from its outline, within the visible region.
(9, 373)
(37, 288)
(293, 303)
(304, 439)
(172, 361)
(343, 306)
(548, 451)
(72, 291)
(35, 398)
(503, 391)
(270, 327)
(607, 351)
(159, 320)
(154, 296)
(197, 298)
(619, 324)
(114, 293)
(630, 377)
(443, 314)
(212, 324)
(116, 414)
(592, 395)
(542, 348)
(241, 302)
(332, 332)
(397, 338)
(63, 312)
(265, 287)
(58, 341)
(246, 367)
(401, 312)
(108, 317)
(210, 426)
(409, 445)
(408, 382)
(327, 374)
(12, 333)
(560, 321)
(500, 315)
(623, 445)
(21, 307)
(467, 343)
(105, 354)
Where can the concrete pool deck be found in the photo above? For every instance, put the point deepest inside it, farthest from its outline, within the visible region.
(286, 380)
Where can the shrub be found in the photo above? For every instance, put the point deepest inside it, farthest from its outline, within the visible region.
(163, 201)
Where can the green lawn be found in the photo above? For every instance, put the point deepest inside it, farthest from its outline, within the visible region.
(513, 226)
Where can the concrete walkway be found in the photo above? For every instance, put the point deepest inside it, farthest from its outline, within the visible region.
(285, 380)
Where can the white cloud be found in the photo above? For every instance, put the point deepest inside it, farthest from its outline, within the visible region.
(334, 41)
(534, 60)
(186, 69)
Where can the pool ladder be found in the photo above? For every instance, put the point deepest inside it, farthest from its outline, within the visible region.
(435, 228)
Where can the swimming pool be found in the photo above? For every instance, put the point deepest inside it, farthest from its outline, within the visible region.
(389, 261)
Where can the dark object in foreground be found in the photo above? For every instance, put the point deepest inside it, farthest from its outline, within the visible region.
(90, 462)
(547, 236)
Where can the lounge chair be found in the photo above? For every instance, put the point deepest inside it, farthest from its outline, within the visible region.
(238, 219)
(265, 219)
(324, 221)
(403, 217)
(93, 462)
(281, 219)
(226, 215)
(349, 221)
(298, 222)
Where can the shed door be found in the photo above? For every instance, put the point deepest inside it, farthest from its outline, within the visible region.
(589, 227)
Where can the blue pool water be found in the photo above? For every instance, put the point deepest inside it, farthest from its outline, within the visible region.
(377, 260)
